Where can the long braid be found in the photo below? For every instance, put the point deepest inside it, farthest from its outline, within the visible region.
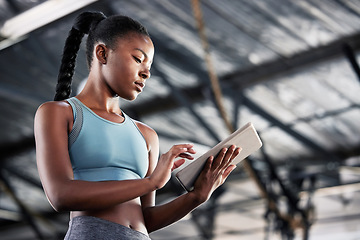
(83, 24)
(67, 67)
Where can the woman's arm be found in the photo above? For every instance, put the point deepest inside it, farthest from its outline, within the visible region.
(52, 123)
(213, 175)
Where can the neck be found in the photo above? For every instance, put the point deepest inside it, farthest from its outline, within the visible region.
(97, 96)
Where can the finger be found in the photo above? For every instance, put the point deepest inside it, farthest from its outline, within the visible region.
(177, 164)
(236, 153)
(191, 150)
(219, 158)
(209, 163)
(227, 171)
(175, 151)
(228, 156)
(186, 145)
(185, 155)
(180, 148)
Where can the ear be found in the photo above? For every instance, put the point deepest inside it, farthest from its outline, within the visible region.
(101, 53)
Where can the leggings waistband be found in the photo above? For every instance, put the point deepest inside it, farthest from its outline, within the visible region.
(88, 228)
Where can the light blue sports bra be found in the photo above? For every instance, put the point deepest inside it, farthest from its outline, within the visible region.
(101, 150)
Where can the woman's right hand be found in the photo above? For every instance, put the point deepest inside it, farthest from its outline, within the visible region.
(167, 163)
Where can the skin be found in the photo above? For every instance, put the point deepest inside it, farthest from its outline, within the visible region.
(120, 72)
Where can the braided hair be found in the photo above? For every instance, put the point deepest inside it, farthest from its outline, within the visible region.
(99, 29)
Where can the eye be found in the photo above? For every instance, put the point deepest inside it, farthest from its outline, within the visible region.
(137, 59)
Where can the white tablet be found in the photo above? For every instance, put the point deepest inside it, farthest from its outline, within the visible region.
(245, 137)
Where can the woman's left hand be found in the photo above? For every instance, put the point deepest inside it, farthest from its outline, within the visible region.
(215, 172)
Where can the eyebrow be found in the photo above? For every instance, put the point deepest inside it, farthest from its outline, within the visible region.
(146, 56)
(144, 53)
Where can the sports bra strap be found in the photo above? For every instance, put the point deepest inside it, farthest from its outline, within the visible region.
(78, 120)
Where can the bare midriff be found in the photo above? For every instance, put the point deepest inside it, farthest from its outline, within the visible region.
(128, 214)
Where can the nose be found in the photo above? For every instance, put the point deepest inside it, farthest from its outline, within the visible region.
(145, 74)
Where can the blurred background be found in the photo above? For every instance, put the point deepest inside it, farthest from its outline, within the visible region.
(289, 67)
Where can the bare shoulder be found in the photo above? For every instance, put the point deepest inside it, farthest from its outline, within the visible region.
(149, 134)
(55, 112)
(54, 106)
(144, 128)
(60, 108)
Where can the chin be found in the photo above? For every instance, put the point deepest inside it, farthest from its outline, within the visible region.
(131, 98)
(129, 95)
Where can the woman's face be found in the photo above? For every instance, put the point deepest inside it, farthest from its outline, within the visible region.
(128, 65)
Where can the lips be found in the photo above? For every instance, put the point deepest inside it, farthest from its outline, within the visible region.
(140, 86)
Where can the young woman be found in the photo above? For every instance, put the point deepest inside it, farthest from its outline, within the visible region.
(93, 159)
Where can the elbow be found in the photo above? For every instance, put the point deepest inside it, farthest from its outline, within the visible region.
(59, 206)
(60, 202)
(63, 197)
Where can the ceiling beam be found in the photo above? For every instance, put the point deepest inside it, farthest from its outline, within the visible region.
(276, 122)
(182, 99)
(40, 16)
(27, 214)
(257, 74)
(17, 28)
(244, 78)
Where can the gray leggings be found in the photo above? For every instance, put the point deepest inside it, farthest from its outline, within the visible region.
(89, 228)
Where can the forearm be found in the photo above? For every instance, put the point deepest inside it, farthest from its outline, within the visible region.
(74, 195)
(157, 217)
